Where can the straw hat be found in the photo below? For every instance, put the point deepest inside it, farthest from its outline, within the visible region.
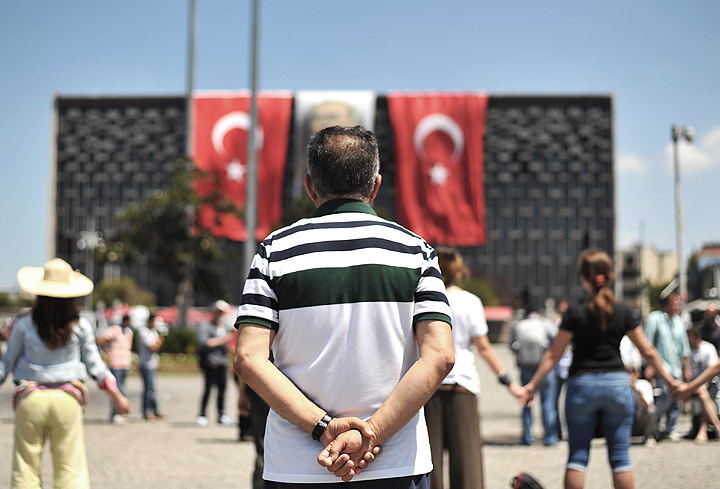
(55, 279)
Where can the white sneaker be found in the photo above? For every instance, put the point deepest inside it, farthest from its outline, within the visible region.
(675, 436)
(118, 419)
(225, 420)
(201, 421)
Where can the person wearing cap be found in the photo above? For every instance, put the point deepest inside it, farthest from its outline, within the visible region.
(212, 344)
(51, 351)
(667, 331)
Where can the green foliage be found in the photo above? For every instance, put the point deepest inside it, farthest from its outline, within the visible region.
(163, 228)
(124, 290)
(483, 289)
(180, 341)
(301, 208)
(9, 300)
(654, 294)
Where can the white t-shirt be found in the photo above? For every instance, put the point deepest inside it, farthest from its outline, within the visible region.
(702, 358)
(629, 354)
(468, 323)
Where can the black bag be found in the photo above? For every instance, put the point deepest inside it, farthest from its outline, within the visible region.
(525, 481)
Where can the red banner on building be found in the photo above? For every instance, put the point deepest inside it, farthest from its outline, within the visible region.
(439, 178)
(221, 123)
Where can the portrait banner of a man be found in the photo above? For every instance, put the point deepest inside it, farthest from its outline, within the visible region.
(318, 109)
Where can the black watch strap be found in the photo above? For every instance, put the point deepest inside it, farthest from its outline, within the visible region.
(321, 426)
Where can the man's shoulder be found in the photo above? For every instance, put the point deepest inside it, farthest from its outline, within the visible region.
(655, 316)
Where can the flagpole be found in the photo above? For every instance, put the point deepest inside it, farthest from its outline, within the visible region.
(190, 80)
(185, 289)
(251, 191)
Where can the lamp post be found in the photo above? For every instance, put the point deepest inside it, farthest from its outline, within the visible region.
(677, 133)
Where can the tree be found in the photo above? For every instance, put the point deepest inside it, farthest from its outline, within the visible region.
(124, 290)
(163, 228)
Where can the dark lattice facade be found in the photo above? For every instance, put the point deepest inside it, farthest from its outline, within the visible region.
(549, 183)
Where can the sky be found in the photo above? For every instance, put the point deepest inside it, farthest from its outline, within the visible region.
(657, 59)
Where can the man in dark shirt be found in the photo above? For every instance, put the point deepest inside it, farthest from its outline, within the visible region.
(710, 326)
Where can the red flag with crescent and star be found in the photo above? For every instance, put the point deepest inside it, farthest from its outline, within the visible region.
(439, 176)
(221, 124)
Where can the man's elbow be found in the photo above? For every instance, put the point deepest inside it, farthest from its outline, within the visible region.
(446, 361)
(241, 362)
(244, 361)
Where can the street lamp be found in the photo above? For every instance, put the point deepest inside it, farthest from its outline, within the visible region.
(677, 133)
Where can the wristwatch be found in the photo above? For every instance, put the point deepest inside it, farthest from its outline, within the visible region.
(321, 426)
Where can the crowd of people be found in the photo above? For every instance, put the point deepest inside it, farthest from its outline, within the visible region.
(346, 362)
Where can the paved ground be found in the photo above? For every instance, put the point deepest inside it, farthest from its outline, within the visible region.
(174, 453)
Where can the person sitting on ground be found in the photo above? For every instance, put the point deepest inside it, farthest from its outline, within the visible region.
(704, 409)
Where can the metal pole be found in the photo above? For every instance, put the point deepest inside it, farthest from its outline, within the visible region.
(251, 190)
(190, 80)
(186, 286)
(682, 272)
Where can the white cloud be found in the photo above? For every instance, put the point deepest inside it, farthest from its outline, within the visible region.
(697, 157)
(633, 164)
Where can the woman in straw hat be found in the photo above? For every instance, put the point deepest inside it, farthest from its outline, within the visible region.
(51, 351)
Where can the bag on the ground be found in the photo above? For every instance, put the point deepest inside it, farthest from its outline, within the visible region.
(525, 481)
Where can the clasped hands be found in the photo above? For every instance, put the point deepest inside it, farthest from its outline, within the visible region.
(350, 446)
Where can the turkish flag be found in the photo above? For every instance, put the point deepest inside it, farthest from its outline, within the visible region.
(221, 123)
(439, 176)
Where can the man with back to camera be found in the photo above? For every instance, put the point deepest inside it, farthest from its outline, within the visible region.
(354, 310)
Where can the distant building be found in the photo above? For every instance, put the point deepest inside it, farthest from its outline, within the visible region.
(640, 265)
(707, 282)
(549, 184)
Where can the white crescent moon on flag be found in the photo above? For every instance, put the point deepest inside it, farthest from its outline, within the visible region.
(438, 122)
(233, 120)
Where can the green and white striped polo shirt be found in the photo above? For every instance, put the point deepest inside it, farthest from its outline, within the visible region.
(343, 290)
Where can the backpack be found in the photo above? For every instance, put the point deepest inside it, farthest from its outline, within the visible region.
(525, 481)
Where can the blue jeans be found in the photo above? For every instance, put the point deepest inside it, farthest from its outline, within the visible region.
(605, 398)
(666, 405)
(149, 404)
(547, 391)
(120, 374)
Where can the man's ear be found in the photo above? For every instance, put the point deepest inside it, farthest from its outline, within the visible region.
(310, 189)
(378, 181)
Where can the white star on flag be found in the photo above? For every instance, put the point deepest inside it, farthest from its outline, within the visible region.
(235, 171)
(439, 174)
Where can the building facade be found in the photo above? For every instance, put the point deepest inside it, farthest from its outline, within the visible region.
(549, 184)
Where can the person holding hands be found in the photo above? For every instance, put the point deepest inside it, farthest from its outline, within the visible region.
(598, 388)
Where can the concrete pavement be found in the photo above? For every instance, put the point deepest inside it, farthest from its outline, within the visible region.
(174, 453)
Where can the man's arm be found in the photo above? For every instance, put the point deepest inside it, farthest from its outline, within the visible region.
(684, 391)
(650, 354)
(346, 457)
(436, 359)
(252, 364)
